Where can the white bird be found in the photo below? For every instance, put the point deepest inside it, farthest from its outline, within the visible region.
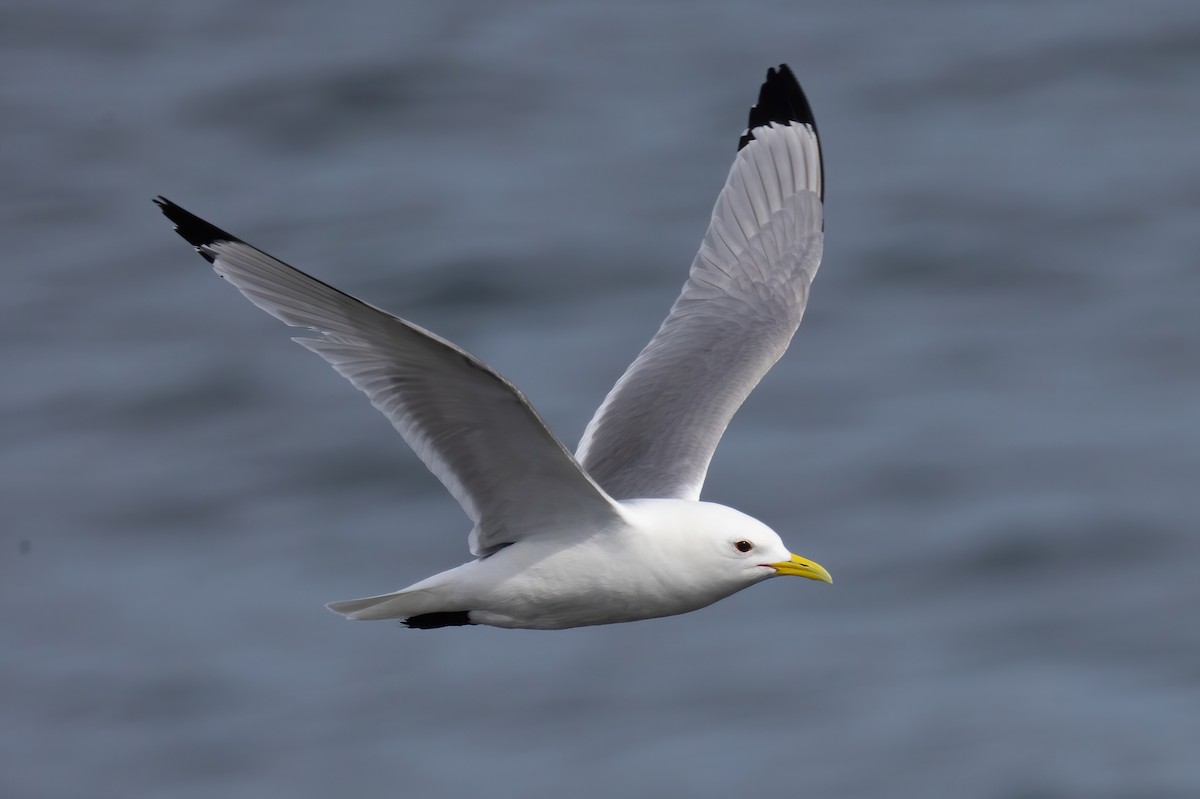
(617, 532)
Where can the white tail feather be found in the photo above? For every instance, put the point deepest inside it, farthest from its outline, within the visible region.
(399, 605)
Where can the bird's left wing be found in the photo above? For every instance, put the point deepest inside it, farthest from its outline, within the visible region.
(474, 430)
(655, 433)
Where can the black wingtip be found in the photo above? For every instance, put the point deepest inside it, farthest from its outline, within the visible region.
(194, 230)
(779, 100)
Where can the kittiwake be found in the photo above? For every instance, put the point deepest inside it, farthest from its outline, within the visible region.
(616, 532)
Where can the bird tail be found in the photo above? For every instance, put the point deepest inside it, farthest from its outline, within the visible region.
(399, 605)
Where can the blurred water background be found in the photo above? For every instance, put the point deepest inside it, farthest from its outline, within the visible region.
(987, 427)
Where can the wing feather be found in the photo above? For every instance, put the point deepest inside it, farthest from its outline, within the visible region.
(656, 432)
(473, 428)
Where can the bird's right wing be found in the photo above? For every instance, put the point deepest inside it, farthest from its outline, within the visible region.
(473, 429)
(655, 433)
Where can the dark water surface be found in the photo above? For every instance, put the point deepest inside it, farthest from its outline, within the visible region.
(987, 428)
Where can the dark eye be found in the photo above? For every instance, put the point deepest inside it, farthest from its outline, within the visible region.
(743, 546)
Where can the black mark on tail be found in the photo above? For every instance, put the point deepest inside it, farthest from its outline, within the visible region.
(431, 621)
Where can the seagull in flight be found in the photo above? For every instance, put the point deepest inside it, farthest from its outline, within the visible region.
(616, 532)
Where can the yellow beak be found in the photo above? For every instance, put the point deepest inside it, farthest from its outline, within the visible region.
(802, 567)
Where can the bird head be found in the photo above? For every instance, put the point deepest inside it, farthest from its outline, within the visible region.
(758, 552)
(721, 545)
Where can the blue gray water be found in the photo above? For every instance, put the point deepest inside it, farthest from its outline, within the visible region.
(987, 428)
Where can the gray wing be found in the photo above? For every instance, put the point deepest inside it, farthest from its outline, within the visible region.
(655, 433)
(473, 429)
